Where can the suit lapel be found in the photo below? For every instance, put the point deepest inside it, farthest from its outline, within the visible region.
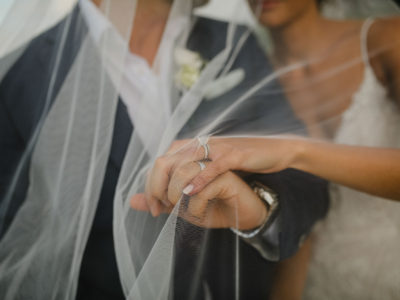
(26, 90)
(123, 129)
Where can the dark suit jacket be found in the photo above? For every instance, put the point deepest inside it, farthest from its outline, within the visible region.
(303, 198)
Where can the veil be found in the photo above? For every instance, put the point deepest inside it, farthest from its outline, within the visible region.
(66, 121)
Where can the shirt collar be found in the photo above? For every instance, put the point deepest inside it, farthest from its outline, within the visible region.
(96, 21)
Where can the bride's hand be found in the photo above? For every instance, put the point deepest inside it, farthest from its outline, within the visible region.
(249, 154)
(225, 202)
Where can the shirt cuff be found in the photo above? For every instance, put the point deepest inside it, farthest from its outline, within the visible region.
(266, 242)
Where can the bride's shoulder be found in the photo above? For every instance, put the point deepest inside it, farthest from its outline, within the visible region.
(384, 49)
(385, 29)
(384, 38)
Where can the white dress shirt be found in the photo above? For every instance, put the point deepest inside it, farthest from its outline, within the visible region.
(145, 90)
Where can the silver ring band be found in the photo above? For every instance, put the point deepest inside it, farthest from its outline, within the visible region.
(206, 148)
(202, 165)
(203, 142)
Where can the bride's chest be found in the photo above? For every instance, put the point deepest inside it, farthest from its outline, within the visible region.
(372, 119)
(321, 95)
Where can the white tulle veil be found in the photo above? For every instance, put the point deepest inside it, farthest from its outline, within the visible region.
(42, 246)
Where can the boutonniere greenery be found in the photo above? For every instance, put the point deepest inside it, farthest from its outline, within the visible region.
(190, 64)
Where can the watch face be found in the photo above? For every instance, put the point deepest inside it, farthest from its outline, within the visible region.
(268, 197)
(264, 193)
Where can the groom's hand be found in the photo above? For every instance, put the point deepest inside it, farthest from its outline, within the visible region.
(225, 202)
(155, 198)
(253, 155)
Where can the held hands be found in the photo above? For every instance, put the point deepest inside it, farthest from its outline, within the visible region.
(253, 155)
(218, 197)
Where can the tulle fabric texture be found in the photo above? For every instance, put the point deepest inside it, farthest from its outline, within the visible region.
(41, 249)
(42, 246)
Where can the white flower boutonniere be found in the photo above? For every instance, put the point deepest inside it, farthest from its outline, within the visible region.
(190, 64)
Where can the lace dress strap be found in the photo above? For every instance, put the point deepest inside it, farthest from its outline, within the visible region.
(364, 40)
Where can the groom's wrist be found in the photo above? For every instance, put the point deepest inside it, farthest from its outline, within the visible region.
(270, 199)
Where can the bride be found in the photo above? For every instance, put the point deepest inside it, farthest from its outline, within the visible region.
(346, 88)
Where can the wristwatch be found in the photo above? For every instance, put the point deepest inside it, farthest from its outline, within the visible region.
(270, 199)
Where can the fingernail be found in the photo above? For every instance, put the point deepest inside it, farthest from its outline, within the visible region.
(187, 190)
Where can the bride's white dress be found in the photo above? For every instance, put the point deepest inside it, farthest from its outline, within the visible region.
(357, 250)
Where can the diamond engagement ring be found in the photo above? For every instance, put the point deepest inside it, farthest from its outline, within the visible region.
(203, 143)
(206, 148)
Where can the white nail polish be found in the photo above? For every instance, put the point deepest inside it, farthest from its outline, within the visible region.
(188, 189)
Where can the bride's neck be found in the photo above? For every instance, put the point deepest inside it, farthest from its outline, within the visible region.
(299, 40)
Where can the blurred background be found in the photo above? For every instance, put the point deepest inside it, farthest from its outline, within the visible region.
(219, 9)
(216, 8)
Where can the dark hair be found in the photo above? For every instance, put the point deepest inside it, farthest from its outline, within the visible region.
(320, 2)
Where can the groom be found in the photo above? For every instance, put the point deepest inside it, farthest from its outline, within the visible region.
(302, 198)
